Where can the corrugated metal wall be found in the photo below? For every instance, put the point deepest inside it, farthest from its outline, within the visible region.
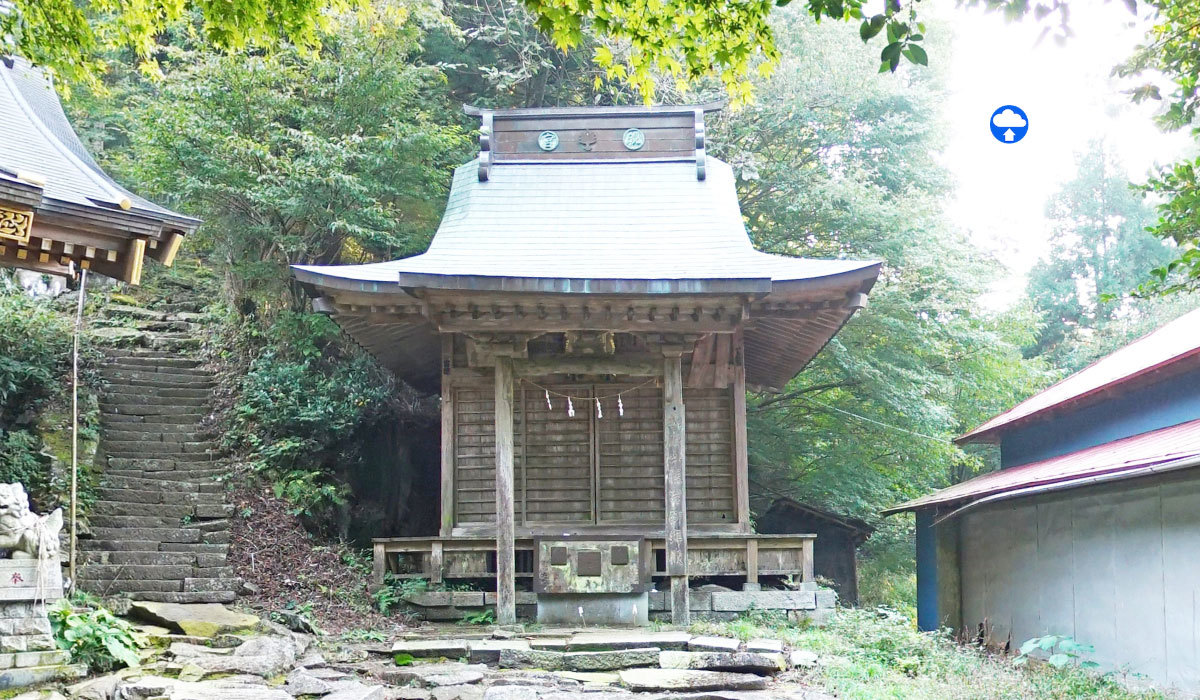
(1116, 566)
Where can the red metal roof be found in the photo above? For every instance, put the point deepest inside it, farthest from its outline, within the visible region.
(1168, 345)
(1178, 445)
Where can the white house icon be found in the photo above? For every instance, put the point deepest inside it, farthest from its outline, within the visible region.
(1008, 134)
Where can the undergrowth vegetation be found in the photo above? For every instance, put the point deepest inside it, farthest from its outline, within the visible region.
(93, 635)
(35, 363)
(870, 654)
(301, 408)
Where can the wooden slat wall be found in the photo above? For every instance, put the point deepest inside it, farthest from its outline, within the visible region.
(630, 456)
(556, 452)
(710, 472)
(474, 455)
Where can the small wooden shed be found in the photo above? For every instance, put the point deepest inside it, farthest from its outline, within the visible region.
(591, 283)
(835, 553)
(59, 212)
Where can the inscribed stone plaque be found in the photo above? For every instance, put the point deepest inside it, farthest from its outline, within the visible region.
(589, 563)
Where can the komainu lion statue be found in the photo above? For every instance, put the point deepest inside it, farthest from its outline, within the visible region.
(25, 534)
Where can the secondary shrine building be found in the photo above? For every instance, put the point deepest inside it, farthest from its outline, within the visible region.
(592, 311)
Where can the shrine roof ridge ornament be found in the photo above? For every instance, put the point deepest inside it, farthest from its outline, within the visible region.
(611, 134)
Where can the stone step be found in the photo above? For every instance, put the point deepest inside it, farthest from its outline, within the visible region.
(222, 537)
(164, 465)
(126, 482)
(119, 393)
(210, 526)
(158, 496)
(209, 585)
(186, 461)
(155, 382)
(137, 572)
(172, 436)
(128, 394)
(88, 545)
(148, 359)
(187, 535)
(207, 511)
(109, 409)
(160, 448)
(190, 475)
(109, 420)
(102, 586)
(203, 548)
(130, 311)
(141, 521)
(178, 511)
(174, 307)
(189, 597)
(120, 403)
(142, 558)
(152, 373)
(201, 565)
(171, 342)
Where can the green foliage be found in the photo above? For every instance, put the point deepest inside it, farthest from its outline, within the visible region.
(1099, 250)
(839, 166)
(67, 35)
(403, 659)
(95, 636)
(301, 407)
(880, 654)
(1060, 650)
(483, 617)
(35, 353)
(336, 156)
(1171, 50)
(394, 590)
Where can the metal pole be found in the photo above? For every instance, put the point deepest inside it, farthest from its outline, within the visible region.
(75, 422)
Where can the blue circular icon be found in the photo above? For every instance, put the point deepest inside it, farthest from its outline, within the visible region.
(1009, 124)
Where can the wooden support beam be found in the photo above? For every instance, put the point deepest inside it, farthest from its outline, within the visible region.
(700, 359)
(806, 561)
(721, 360)
(751, 560)
(741, 461)
(674, 461)
(506, 594)
(132, 272)
(378, 565)
(436, 562)
(447, 437)
(634, 367)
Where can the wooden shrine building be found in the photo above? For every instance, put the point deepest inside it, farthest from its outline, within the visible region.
(59, 212)
(592, 311)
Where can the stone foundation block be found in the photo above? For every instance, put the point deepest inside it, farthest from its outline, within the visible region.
(740, 601)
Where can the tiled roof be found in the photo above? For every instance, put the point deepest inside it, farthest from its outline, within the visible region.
(571, 224)
(1174, 447)
(36, 138)
(1176, 341)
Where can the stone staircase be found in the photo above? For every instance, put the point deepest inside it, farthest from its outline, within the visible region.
(159, 530)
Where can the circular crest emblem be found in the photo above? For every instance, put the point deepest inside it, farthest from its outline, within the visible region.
(547, 140)
(633, 139)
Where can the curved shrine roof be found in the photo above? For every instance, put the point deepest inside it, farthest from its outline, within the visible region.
(649, 227)
(36, 139)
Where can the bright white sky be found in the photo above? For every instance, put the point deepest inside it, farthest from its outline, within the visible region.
(1001, 189)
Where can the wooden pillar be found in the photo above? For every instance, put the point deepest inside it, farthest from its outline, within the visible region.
(436, 562)
(506, 594)
(675, 456)
(741, 461)
(447, 507)
(378, 566)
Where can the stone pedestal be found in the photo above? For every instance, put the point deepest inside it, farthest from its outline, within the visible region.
(582, 609)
